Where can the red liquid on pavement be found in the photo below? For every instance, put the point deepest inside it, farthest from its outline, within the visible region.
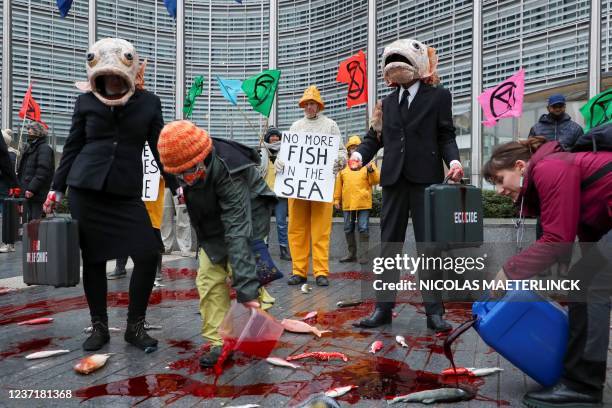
(26, 346)
(186, 345)
(229, 345)
(173, 274)
(448, 342)
(342, 315)
(351, 275)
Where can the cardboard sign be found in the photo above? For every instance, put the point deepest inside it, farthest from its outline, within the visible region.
(150, 175)
(309, 163)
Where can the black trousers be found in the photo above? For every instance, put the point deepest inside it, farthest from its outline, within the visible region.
(589, 320)
(141, 285)
(401, 201)
(32, 210)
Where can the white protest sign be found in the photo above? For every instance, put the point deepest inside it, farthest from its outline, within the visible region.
(309, 166)
(150, 175)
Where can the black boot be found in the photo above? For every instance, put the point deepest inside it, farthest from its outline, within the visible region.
(352, 248)
(136, 335)
(364, 242)
(322, 280)
(99, 335)
(296, 280)
(284, 253)
(119, 271)
(210, 359)
(560, 396)
(438, 324)
(379, 317)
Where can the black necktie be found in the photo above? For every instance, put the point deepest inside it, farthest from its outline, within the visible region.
(404, 100)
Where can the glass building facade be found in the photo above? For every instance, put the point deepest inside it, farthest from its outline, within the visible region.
(549, 38)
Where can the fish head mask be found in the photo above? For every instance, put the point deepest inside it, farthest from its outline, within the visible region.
(406, 60)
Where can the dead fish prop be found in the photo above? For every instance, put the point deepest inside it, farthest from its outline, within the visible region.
(431, 396)
(339, 391)
(91, 363)
(306, 288)
(281, 362)
(297, 326)
(45, 354)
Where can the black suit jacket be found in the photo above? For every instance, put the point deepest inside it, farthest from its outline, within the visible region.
(416, 148)
(7, 169)
(103, 151)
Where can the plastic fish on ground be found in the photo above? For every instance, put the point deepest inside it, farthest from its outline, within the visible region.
(431, 396)
(310, 315)
(319, 355)
(281, 363)
(91, 363)
(297, 326)
(89, 329)
(42, 320)
(45, 354)
(244, 406)
(339, 391)
(401, 340)
(306, 288)
(349, 303)
(376, 346)
(471, 371)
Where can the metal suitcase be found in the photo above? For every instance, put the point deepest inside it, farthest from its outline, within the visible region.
(453, 216)
(12, 215)
(51, 252)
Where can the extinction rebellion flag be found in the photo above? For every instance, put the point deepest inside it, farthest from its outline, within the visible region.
(598, 110)
(505, 100)
(194, 92)
(260, 90)
(354, 73)
(30, 109)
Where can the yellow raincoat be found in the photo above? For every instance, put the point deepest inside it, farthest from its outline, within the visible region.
(156, 208)
(354, 188)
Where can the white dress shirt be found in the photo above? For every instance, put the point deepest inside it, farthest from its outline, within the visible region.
(413, 89)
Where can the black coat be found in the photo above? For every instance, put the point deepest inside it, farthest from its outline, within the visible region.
(103, 151)
(565, 130)
(36, 169)
(7, 167)
(416, 148)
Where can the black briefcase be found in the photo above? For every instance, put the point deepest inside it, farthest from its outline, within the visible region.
(12, 213)
(51, 252)
(453, 215)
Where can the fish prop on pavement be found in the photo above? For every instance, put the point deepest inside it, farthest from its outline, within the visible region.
(89, 329)
(306, 288)
(45, 354)
(281, 363)
(401, 340)
(376, 346)
(319, 401)
(91, 363)
(310, 315)
(297, 326)
(42, 320)
(319, 355)
(472, 371)
(348, 303)
(431, 396)
(244, 406)
(339, 391)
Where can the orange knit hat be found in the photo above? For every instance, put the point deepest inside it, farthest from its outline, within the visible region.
(182, 145)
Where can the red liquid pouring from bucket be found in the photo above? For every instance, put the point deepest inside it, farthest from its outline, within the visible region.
(448, 342)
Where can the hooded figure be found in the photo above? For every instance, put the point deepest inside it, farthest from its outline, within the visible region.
(229, 206)
(353, 194)
(102, 165)
(310, 221)
(36, 169)
(414, 124)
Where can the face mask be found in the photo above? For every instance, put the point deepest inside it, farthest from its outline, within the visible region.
(193, 175)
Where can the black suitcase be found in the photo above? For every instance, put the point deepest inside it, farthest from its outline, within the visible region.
(12, 215)
(453, 216)
(51, 252)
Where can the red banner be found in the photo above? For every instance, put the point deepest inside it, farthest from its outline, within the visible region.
(353, 72)
(30, 109)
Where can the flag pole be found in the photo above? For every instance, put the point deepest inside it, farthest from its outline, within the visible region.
(246, 118)
(19, 143)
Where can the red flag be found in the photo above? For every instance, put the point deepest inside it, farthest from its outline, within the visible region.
(354, 73)
(30, 109)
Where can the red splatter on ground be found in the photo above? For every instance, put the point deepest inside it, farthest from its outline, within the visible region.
(28, 346)
(351, 275)
(185, 345)
(173, 274)
(340, 316)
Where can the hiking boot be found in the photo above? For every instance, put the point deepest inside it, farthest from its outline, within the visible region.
(322, 281)
(284, 253)
(209, 359)
(136, 334)
(296, 280)
(99, 335)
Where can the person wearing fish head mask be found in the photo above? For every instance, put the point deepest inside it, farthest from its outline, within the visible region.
(414, 124)
(229, 205)
(102, 165)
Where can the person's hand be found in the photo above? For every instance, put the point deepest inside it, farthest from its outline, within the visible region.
(355, 162)
(370, 167)
(180, 196)
(53, 198)
(337, 206)
(14, 192)
(500, 277)
(253, 304)
(29, 194)
(456, 171)
(279, 166)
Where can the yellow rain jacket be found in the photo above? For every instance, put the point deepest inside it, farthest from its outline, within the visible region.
(354, 188)
(156, 208)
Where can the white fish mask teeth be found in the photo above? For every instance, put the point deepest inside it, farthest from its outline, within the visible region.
(112, 59)
(405, 60)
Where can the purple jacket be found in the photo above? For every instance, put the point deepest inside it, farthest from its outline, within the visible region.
(552, 189)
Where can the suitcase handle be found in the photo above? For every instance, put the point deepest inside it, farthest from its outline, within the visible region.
(447, 179)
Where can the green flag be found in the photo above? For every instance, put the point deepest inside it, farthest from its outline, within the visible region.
(194, 91)
(260, 90)
(598, 110)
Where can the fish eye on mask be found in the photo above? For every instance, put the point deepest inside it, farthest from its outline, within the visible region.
(127, 59)
(91, 59)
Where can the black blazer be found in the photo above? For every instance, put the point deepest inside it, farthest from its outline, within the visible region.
(416, 148)
(7, 168)
(36, 169)
(103, 151)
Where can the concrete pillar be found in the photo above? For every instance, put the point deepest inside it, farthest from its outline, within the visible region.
(7, 66)
(595, 49)
(273, 55)
(476, 151)
(92, 23)
(180, 58)
(372, 56)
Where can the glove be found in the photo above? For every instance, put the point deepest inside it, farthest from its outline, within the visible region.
(14, 192)
(279, 166)
(180, 196)
(53, 197)
(456, 171)
(355, 162)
